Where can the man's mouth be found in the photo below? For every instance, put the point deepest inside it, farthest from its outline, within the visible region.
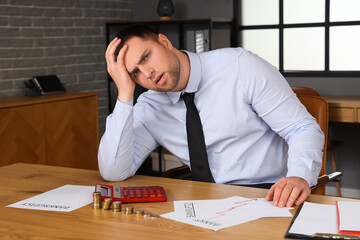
(159, 80)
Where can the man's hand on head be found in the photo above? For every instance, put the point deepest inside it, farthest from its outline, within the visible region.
(289, 191)
(117, 70)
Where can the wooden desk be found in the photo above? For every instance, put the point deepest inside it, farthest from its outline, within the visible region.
(344, 109)
(20, 181)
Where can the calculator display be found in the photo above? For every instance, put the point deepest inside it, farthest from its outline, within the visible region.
(132, 194)
(105, 191)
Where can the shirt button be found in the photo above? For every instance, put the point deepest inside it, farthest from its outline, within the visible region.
(117, 137)
(126, 110)
(214, 171)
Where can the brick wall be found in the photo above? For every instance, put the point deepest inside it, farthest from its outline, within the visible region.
(62, 37)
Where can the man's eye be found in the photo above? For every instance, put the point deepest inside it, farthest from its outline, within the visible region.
(135, 73)
(146, 57)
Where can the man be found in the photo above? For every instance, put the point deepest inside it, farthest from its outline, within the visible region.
(256, 130)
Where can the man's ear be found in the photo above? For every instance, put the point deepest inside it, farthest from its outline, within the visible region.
(165, 41)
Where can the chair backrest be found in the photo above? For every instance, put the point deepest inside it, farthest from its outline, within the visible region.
(318, 108)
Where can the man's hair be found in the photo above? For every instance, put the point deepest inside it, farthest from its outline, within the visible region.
(141, 31)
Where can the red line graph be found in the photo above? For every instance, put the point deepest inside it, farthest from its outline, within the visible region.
(240, 204)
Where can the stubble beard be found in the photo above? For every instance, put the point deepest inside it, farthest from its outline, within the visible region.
(173, 75)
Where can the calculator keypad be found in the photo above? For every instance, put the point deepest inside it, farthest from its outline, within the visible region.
(137, 194)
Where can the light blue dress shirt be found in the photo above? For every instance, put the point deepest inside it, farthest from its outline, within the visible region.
(256, 130)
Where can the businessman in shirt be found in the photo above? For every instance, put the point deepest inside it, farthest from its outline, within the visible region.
(256, 130)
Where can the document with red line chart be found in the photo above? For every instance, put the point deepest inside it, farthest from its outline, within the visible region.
(221, 213)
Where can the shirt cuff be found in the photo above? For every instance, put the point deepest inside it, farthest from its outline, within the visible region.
(303, 173)
(121, 107)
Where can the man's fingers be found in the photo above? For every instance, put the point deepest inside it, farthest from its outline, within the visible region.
(270, 193)
(109, 47)
(305, 193)
(118, 72)
(278, 188)
(109, 54)
(298, 195)
(288, 191)
(293, 196)
(120, 56)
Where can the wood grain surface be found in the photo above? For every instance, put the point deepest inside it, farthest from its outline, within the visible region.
(20, 181)
(59, 129)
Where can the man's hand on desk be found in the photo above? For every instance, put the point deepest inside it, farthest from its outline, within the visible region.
(288, 191)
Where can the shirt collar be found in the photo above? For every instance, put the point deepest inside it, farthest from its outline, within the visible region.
(194, 78)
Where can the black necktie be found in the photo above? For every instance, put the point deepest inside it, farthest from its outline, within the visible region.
(197, 150)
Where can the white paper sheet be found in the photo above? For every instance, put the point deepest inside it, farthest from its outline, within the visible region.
(221, 213)
(63, 199)
(349, 213)
(315, 218)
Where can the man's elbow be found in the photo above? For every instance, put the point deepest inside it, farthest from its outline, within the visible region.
(111, 175)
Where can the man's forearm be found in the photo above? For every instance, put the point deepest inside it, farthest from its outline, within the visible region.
(115, 154)
(125, 143)
(305, 154)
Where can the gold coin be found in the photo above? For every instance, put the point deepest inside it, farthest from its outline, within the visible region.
(147, 214)
(116, 206)
(97, 200)
(139, 212)
(129, 210)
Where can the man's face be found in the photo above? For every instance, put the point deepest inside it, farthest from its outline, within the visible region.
(152, 65)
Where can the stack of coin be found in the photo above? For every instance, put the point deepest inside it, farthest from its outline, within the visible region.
(139, 212)
(151, 215)
(97, 200)
(147, 214)
(107, 203)
(129, 210)
(154, 216)
(116, 206)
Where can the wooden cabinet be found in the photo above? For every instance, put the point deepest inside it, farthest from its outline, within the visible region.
(60, 130)
(344, 109)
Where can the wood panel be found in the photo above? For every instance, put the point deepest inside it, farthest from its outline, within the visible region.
(22, 132)
(59, 129)
(21, 181)
(72, 133)
(344, 114)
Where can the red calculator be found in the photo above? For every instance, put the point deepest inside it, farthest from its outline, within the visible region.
(132, 194)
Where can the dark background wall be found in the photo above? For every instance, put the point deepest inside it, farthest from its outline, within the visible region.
(348, 156)
(66, 38)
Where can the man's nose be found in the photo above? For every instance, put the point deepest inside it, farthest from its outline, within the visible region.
(148, 72)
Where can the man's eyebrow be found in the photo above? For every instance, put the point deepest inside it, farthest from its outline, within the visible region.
(141, 59)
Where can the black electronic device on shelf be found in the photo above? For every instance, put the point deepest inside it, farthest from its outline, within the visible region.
(44, 85)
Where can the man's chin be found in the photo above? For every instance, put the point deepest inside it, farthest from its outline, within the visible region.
(164, 88)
